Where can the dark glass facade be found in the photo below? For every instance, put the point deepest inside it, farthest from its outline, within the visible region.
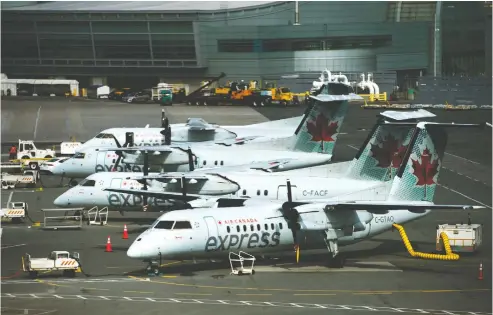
(98, 40)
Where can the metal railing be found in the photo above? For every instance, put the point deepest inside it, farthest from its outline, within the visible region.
(165, 63)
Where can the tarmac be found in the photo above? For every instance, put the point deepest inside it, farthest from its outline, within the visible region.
(380, 277)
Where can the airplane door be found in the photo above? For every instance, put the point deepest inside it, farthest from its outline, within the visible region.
(116, 183)
(282, 192)
(211, 226)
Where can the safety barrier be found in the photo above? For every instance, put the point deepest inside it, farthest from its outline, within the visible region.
(449, 255)
(71, 218)
(419, 106)
(95, 216)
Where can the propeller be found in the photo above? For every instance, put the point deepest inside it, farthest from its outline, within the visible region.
(292, 216)
(146, 172)
(129, 142)
(166, 132)
(183, 186)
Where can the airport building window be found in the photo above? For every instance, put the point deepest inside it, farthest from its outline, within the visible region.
(180, 225)
(235, 45)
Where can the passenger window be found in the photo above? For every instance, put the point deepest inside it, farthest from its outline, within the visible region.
(244, 228)
(258, 227)
(266, 227)
(181, 225)
(228, 229)
(272, 226)
(89, 183)
(265, 192)
(244, 192)
(215, 162)
(251, 227)
(238, 228)
(205, 162)
(258, 192)
(222, 163)
(164, 225)
(280, 226)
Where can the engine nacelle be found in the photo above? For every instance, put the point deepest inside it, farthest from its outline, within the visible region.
(356, 218)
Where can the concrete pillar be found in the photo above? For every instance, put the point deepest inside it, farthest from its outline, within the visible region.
(98, 81)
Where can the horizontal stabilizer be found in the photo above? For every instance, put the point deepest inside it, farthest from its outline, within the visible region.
(156, 194)
(406, 115)
(334, 98)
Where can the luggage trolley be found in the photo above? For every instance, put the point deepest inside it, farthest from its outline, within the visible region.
(241, 257)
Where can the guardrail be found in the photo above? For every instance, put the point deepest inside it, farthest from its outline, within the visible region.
(165, 63)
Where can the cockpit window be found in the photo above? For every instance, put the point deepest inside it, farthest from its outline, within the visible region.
(52, 160)
(164, 225)
(79, 155)
(87, 183)
(179, 225)
(104, 136)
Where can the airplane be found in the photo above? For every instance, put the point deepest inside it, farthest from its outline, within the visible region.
(371, 169)
(316, 133)
(198, 130)
(304, 224)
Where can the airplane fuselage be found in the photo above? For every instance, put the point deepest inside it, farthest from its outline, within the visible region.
(207, 233)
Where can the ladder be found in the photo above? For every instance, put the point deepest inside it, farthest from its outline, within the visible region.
(239, 259)
(96, 216)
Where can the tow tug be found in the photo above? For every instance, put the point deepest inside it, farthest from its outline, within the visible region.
(28, 178)
(15, 211)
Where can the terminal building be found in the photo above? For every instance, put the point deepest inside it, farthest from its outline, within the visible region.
(139, 42)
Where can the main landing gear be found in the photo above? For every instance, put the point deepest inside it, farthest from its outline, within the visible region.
(336, 259)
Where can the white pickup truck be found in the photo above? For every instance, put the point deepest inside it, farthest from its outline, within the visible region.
(31, 156)
(16, 211)
(56, 261)
(27, 178)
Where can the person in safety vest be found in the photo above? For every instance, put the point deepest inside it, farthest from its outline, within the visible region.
(13, 152)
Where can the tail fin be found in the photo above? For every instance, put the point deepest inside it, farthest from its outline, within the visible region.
(417, 177)
(323, 120)
(382, 152)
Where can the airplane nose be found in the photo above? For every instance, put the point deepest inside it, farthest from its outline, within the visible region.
(61, 201)
(134, 251)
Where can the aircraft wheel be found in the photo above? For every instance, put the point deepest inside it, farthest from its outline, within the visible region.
(33, 165)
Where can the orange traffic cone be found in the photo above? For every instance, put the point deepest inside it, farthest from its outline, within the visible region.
(108, 246)
(125, 232)
(480, 277)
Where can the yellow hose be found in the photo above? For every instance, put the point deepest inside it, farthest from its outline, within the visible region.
(448, 250)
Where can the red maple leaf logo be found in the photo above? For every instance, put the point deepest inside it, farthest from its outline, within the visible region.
(390, 153)
(219, 222)
(426, 170)
(321, 130)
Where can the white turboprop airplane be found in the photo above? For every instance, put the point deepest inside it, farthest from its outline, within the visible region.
(311, 143)
(305, 224)
(371, 169)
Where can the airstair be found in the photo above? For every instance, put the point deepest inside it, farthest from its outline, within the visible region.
(96, 216)
(237, 262)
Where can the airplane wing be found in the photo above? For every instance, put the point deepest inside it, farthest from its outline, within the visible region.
(242, 140)
(143, 148)
(156, 194)
(379, 206)
(172, 175)
(332, 98)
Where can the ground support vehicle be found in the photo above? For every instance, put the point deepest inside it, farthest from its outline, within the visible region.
(57, 261)
(15, 211)
(462, 237)
(28, 155)
(28, 178)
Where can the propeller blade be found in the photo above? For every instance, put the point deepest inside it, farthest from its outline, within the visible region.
(115, 167)
(183, 186)
(163, 116)
(290, 196)
(146, 172)
(190, 160)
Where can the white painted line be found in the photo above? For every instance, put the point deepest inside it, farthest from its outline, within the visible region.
(352, 147)
(11, 246)
(488, 124)
(460, 157)
(36, 124)
(459, 193)
(10, 198)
